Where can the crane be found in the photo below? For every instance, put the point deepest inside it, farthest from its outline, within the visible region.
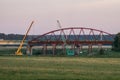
(18, 52)
(63, 37)
(69, 51)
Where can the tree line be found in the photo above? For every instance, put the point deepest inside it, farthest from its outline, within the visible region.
(4, 36)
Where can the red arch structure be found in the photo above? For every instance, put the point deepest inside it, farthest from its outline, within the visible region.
(73, 35)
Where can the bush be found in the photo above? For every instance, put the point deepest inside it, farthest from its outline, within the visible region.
(101, 51)
(116, 43)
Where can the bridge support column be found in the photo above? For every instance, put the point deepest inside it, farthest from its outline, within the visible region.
(73, 47)
(99, 46)
(89, 48)
(64, 49)
(29, 50)
(81, 47)
(54, 48)
(44, 49)
(78, 49)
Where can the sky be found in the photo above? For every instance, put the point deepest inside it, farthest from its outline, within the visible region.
(16, 15)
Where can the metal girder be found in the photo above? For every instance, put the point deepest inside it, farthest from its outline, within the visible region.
(74, 35)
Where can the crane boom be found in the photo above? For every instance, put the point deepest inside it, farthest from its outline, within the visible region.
(59, 25)
(63, 37)
(18, 52)
(69, 52)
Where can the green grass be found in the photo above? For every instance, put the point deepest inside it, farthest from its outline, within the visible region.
(58, 68)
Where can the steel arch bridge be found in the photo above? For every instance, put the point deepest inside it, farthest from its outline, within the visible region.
(73, 35)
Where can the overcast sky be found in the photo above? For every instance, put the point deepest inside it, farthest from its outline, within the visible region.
(16, 15)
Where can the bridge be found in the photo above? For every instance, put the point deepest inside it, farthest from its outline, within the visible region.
(75, 37)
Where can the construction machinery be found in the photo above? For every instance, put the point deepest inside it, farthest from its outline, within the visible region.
(18, 52)
(70, 52)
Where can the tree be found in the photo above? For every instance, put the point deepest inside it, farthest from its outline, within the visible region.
(2, 36)
(116, 43)
(101, 51)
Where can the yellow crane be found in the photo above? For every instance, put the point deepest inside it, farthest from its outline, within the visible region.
(18, 52)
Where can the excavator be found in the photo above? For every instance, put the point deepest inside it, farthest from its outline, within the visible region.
(18, 52)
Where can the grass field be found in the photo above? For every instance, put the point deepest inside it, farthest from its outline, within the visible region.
(58, 68)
